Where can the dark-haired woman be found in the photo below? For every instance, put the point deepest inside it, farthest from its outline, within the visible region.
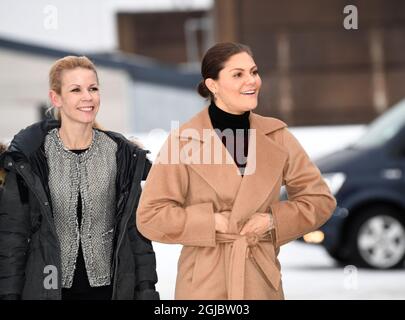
(215, 188)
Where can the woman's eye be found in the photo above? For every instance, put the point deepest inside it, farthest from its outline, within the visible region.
(75, 90)
(256, 72)
(237, 75)
(94, 89)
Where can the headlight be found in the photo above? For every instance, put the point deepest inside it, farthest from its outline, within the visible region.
(314, 237)
(334, 181)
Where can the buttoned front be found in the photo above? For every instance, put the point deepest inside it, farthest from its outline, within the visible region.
(181, 197)
(92, 174)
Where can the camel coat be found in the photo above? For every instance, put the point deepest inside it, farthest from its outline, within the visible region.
(183, 192)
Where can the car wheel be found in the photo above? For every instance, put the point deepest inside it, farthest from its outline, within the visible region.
(377, 238)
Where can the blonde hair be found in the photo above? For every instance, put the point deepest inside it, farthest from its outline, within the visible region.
(55, 76)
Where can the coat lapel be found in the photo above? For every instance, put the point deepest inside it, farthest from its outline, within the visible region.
(215, 165)
(265, 165)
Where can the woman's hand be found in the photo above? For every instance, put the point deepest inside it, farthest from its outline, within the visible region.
(259, 223)
(222, 221)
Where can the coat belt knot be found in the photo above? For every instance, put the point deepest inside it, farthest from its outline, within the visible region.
(241, 246)
(252, 239)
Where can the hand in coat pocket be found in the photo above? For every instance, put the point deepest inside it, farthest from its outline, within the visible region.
(259, 223)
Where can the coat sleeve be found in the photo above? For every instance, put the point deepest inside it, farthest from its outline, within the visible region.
(162, 213)
(14, 235)
(310, 202)
(142, 249)
(145, 264)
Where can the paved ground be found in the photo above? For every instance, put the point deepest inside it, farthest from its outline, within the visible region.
(308, 273)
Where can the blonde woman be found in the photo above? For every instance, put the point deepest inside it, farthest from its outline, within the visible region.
(216, 183)
(67, 223)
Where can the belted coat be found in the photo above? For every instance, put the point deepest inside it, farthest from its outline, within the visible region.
(189, 182)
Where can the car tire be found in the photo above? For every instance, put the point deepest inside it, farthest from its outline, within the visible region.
(338, 257)
(377, 238)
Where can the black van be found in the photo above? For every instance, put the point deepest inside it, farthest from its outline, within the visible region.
(368, 180)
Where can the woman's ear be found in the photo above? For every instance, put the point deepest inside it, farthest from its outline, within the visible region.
(211, 85)
(55, 98)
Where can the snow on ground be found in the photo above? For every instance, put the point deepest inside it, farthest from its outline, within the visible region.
(308, 271)
(317, 141)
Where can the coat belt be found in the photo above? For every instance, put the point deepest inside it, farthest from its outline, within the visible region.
(243, 247)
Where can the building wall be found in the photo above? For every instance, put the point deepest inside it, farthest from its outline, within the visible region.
(156, 107)
(314, 70)
(159, 35)
(127, 106)
(77, 25)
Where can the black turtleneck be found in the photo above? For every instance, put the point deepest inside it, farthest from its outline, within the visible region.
(233, 129)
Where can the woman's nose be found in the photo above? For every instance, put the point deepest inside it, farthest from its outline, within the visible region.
(87, 95)
(251, 79)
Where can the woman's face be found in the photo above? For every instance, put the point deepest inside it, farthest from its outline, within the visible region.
(79, 99)
(238, 84)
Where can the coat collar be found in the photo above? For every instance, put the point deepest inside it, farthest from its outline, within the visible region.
(202, 121)
(265, 164)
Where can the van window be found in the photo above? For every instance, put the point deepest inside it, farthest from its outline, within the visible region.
(384, 127)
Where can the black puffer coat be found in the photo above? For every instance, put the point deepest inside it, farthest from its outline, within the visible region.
(28, 239)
